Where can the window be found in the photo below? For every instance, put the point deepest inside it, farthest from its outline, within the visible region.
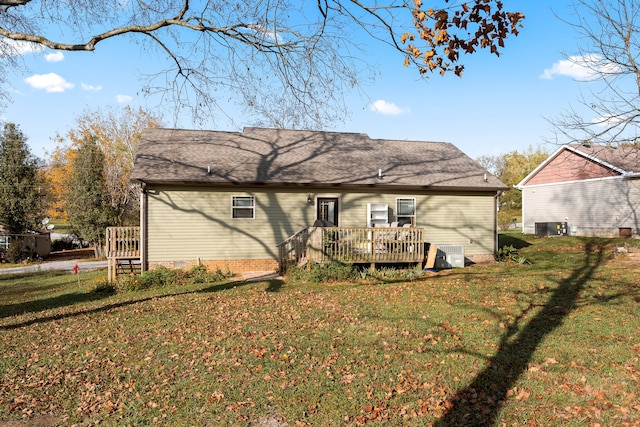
(4, 243)
(406, 212)
(243, 207)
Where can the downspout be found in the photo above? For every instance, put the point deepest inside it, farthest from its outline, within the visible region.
(520, 187)
(495, 222)
(522, 209)
(143, 226)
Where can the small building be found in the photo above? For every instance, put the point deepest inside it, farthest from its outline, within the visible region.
(33, 244)
(228, 199)
(584, 190)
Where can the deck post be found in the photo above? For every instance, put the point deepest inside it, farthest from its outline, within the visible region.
(123, 244)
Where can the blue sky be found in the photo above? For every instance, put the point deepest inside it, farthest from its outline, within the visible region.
(499, 104)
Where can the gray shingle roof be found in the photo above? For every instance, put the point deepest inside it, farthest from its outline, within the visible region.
(260, 156)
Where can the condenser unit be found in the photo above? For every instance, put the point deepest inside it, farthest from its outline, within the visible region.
(548, 229)
(449, 256)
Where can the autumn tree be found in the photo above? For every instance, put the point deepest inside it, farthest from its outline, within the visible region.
(117, 134)
(492, 163)
(57, 171)
(516, 166)
(88, 208)
(512, 168)
(21, 184)
(609, 56)
(303, 55)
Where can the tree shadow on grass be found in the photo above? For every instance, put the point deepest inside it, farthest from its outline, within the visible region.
(274, 285)
(511, 240)
(79, 298)
(58, 301)
(479, 403)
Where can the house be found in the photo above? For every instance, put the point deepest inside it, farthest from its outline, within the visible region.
(586, 190)
(227, 199)
(33, 243)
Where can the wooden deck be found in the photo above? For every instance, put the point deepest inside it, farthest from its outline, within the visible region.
(352, 245)
(313, 244)
(123, 251)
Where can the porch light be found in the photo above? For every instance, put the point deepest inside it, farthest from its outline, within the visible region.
(309, 199)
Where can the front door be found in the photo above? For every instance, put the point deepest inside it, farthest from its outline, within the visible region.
(328, 209)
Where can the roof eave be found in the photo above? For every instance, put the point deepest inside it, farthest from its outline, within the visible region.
(257, 184)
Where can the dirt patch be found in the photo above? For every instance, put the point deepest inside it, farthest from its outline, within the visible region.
(627, 260)
(261, 276)
(86, 253)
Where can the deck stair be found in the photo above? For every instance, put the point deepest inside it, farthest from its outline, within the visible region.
(123, 251)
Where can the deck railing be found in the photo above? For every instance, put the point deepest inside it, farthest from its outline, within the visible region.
(293, 250)
(123, 244)
(353, 245)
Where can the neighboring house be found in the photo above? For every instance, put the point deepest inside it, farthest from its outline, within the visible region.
(594, 189)
(227, 199)
(35, 243)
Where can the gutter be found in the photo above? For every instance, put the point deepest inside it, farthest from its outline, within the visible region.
(308, 185)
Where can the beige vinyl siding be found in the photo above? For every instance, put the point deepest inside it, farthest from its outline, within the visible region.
(195, 223)
(192, 223)
(457, 219)
(593, 207)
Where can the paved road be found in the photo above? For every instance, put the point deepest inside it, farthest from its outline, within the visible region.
(55, 265)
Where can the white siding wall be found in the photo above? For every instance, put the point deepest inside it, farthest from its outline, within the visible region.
(193, 223)
(592, 207)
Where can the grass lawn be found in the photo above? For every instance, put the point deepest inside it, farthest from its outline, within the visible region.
(60, 227)
(555, 342)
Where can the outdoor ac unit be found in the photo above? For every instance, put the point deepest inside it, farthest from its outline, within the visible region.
(548, 229)
(450, 256)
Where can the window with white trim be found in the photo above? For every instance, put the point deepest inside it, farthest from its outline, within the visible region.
(4, 243)
(243, 207)
(406, 212)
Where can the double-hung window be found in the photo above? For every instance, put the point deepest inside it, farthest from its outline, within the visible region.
(243, 207)
(4, 243)
(406, 212)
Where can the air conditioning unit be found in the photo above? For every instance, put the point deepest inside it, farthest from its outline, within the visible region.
(449, 256)
(548, 229)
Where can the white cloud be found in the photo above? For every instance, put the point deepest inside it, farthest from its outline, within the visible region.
(266, 33)
(49, 82)
(123, 99)
(387, 108)
(608, 120)
(10, 47)
(90, 88)
(581, 68)
(54, 57)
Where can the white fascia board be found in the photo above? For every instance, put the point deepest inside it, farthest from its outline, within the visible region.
(606, 178)
(597, 160)
(622, 172)
(553, 155)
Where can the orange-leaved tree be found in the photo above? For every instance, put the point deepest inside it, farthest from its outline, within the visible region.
(117, 133)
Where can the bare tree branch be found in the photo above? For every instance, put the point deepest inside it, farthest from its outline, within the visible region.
(305, 55)
(610, 114)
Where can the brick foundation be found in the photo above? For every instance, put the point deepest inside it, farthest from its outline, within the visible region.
(482, 259)
(236, 266)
